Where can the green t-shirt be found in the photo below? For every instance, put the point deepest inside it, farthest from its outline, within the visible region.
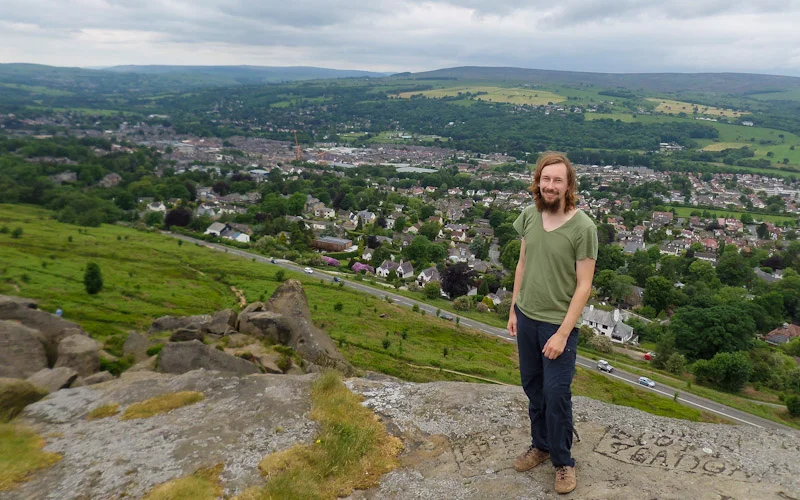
(550, 277)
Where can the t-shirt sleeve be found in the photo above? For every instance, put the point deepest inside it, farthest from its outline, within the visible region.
(522, 221)
(586, 243)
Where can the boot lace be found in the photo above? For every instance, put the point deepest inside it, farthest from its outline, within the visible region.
(561, 473)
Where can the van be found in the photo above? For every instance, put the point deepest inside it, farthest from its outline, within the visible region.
(603, 366)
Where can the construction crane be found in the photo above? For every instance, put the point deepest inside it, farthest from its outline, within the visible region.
(299, 153)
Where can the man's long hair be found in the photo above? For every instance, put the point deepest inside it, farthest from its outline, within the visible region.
(552, 158)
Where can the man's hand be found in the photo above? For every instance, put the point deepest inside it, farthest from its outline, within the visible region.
(555, 346)
(512, 324)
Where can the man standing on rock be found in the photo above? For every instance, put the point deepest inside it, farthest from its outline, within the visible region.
(552, 283)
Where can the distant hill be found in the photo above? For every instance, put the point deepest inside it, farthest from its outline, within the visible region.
(248, 74)
(17, 77)
(718, 83)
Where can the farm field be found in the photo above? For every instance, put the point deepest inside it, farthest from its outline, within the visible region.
(721, 212)
(671, 107)
(493, 94)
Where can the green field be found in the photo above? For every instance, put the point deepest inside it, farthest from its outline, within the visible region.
(790, 95)
(493, 94)
(721, 212)
(148, 275)
(37, 89)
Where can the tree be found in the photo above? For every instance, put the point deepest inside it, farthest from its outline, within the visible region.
(614, 286)
(726, 370)
(280, 275)
(703, 332)
(16, 233)
(92, 279)
(462, 303)
(457, 279)
(762, 231)
(658, 293)
(793, 405)
(510, 254)
(417, 250)
(676, 363)
(609, 257)
(179, 216)
(399, 224)
(432, 290)
(585, 335)
(154, 218)
(701, 271)
(479, 247)
(746, 218)
(733, 271)
(429, 229)
(483, 288)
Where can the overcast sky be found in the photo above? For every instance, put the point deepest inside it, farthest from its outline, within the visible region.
(757, 36)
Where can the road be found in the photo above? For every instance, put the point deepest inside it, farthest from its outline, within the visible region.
(685, 398)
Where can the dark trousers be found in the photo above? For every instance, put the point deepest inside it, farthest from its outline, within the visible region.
(547, 382)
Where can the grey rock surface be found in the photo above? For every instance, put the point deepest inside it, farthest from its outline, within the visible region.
(21, 352)
(97, 378)
(51, 329)
(136, 345)
(185, 335)
(182, 357)
(148, 365)
(460, 441)
(222, 323)
(10, 302)
(170, 323)
(240, 421)
(81, 353)
(286, 319)
(53, 379)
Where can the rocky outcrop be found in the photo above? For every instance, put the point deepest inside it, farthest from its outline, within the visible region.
(97, 378)
(286, 319)
(51, 329)
(185, 335)
(53, 379)
(16, 394)
(21, 352)
(182, 357)
(460, 441)
(172, 323)
(136, 346)
(222, 323)
(9, 303)
(80, 353)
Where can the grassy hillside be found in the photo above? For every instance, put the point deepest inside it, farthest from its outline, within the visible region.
(147, 275)
(720, 83)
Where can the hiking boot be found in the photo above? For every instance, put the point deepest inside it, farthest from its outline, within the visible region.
(530, 459)
(565, 479)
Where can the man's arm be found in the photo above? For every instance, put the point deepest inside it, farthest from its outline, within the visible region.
(585, 272)
(520, 271)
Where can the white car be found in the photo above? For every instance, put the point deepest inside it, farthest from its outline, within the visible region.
(647, 382)
(603, 366)
(308, 270)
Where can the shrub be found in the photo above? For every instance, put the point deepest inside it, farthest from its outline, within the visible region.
(284, 362)
(154, 350)
(728, 371)
(338, 307)
(585, 335)
(503, 309)
(415, 308)
(432, 290)
(462, 303)
(601, 343)
(115, 367)
(676, 363)
(92, 279)
(793, 405)
(4, 230)
(16, 233)
(482, 308)
(386, 343)
(280, 275)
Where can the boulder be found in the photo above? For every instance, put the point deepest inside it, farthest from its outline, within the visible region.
(21, 353)
(53, 379)
(80, 353)
(16, 394)
(182, 357)
(185, 335)
(269, 364)
(136, 346)
(172, 323)
(222, 323)
(97, 378)
(51, 328)
(9, 302)
(286, 319)
(148, 365)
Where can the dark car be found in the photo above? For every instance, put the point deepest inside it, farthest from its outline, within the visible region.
(446, 317)
(337, 279)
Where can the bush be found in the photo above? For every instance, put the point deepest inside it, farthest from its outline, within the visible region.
(504, 308)
(92, 279)
(280, 275)
(415, 308)
(16, 233)
(585, 335)
(728, 371)
(793, 405)
(386, 343)
(482, 308)
(676, 363)
(432, 290)
(115, 367)
(154, 350)
(462, 303)
(601, 343)
(338, 307)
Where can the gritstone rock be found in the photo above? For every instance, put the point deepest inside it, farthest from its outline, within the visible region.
(21, 352)
(53, 379)
(185, 335)
(286, 319)
(136, 345)
(97, 378)
(172, 323)
(16, 394)
(80, 353)
(181, 357)
(223, 323)
(51, 328)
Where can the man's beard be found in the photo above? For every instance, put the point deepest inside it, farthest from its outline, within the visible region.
(550, 206)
